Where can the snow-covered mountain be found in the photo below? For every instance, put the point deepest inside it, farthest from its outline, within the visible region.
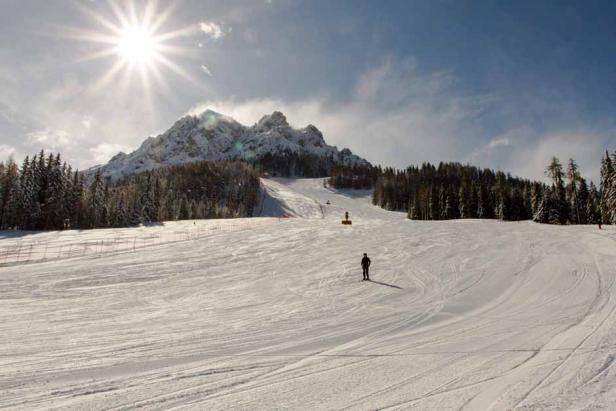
(214, 136)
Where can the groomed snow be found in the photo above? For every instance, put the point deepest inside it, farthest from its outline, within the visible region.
(271, 313)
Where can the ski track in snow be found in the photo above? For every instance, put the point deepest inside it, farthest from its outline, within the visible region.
(270, 313)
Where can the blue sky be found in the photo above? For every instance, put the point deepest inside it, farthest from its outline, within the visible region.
(502, 84)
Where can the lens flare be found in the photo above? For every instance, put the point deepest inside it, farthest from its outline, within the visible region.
(135, 38)
(137, 46)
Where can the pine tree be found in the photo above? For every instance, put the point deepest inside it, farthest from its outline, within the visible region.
(573, 177)
(559, 208)
(555, 208)
(481, 206)
(433, 207)
(26, 184)
(541, 215)
(607, 177)
(448, 209)
(95, 200)
(593, 210)
(413, 214)
(581, 203)
(611, 194)
(455, 202)
(502, 210)
(516, 211)
(55, 207)
(185, 212)
(463, 202)
(536, 194)
(442, 201)
(473, 201)
(32, 193)
(147, 201)
(10, 189)
(2, 177)
(75, 201)
(15, 209)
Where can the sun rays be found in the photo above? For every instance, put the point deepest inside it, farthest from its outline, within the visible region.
(135, 45)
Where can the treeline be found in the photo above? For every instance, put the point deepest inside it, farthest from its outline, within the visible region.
(569, 199)
(291, 164)
(453, 190)
(46, 194)
(358, 177)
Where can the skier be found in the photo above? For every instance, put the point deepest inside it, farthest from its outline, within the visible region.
(365, 265)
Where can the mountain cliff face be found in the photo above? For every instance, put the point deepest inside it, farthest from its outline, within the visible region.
(271, 144)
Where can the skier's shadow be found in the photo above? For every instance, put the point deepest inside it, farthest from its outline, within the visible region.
(387, 285)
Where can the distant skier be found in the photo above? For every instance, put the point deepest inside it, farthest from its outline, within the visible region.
(365, 265)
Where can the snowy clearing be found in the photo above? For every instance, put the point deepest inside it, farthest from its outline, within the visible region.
(270, 313)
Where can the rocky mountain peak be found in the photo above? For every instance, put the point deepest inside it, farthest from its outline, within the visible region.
(271, 121)
(214, 136)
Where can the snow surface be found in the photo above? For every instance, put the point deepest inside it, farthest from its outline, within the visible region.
(461, 314)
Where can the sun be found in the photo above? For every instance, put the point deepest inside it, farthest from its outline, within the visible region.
(136, 45)
(134, 39)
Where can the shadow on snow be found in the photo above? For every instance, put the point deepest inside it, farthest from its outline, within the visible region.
(387, 285)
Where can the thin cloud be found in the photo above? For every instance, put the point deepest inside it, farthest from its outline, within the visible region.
(499, 142)
(526, 152)
(532, 153)
(53, 140)
(6, 152)
(103, 152)
(87, 122)
(214, 30)
(206, 70)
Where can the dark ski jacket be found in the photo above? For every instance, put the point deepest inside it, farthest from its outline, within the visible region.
(365, 262)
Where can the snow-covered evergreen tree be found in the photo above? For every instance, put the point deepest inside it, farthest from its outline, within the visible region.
(473, 200)
(558, 212)
(516, 206)
(433, 209)
(607, 192)
(442, 203)
(573, 178)
(541, 213)
(593, 208)
(536, 194)
(582, 201)
(96, 196)
(10, 189)
(447, 211)
(413, 213)
(463, 202)
(54, 212)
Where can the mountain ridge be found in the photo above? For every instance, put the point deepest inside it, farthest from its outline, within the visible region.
(271, 143)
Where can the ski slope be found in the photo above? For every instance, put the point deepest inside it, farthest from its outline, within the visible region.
(270, 313)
